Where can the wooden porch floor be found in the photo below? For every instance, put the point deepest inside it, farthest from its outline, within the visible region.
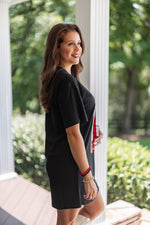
(25, 203)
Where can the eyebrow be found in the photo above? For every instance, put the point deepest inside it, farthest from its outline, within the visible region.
(72, 40)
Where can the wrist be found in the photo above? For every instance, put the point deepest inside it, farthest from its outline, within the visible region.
(88, 176)
(86, 172)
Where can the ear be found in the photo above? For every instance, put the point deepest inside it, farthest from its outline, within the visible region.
(58, 62)
(58, 59)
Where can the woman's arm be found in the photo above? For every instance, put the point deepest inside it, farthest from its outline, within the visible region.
(78, 151)
(77, 147)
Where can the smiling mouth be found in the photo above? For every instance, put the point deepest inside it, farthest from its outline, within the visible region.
(76, 56)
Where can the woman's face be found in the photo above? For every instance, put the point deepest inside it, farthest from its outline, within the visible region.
(70, 49)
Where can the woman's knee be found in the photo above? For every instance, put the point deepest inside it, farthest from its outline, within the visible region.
(92, 214)
(65, 221)
(66, 216)
(95, 208)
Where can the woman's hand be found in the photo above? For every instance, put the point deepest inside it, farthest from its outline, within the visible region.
(99, 136)
(90, 187)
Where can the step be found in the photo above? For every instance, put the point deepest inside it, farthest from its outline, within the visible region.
(123, 213)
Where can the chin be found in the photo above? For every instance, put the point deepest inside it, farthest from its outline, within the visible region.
(76, 63)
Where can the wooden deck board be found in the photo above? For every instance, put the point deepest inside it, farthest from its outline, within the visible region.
(6, 189)
(145, 217)
(47, 211)
(122, 212)
(36, 206)
(25, 203)
(16, 195)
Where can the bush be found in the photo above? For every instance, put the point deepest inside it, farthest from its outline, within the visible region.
(28, 143)
(128, 172)
(128, 163)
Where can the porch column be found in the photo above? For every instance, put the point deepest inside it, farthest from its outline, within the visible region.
(92, 16)
(6, 149)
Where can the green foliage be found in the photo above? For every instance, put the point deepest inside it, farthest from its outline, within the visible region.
(30, 23)
(28, 143)
(128, 162)
(128, 172)
(129, 60)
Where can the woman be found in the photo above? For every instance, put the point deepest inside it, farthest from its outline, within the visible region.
(70, 110)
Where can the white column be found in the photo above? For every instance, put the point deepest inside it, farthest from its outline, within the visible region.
(6, 149)
(92, 16)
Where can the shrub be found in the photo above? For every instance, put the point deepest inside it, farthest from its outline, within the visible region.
(128, 172)
(28, 143)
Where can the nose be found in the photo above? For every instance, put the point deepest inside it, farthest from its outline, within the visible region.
(77, 47)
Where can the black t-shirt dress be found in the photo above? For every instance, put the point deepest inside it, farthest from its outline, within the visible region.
(71, 103)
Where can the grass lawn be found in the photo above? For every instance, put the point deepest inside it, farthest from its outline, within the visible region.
(145, 142)
(142, 140)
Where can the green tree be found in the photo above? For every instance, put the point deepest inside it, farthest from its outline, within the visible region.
(30, 23)
(129, 57)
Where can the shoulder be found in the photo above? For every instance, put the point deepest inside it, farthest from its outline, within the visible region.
(65, 79)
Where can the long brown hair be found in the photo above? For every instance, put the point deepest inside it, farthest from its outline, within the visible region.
(51, 59)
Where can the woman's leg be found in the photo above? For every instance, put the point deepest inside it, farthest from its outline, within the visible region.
(66, 216)
(94, 208)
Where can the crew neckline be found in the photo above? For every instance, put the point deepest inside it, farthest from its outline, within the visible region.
(59, 67)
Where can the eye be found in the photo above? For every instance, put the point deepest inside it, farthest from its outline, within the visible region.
(70, 43)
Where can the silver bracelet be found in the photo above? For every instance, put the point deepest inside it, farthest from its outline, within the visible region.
(86, 181)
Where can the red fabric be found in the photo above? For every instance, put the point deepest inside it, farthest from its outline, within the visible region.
(94, 133)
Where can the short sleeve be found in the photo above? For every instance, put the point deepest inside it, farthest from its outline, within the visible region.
(71, 104)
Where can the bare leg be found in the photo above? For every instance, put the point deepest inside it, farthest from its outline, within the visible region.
(66, 216)
(94, 208)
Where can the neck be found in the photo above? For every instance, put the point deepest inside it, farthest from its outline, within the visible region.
(67, 68)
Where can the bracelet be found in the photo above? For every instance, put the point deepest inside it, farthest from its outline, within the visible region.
(86, 181)
(86, 172)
